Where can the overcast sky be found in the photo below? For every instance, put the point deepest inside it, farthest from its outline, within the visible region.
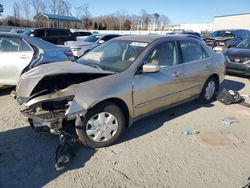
(179, 11)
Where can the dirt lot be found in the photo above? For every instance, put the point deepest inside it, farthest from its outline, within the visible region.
(152, 153)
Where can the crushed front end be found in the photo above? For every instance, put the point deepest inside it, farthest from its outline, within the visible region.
(47, 116)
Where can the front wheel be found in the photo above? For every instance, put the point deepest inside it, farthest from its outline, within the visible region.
(209, 91)
(102, 126)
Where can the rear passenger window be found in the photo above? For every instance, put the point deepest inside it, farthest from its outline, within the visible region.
(164, 55)
(51, 33)
(192, 51)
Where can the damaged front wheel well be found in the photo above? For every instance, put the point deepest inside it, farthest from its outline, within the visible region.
(121, 104)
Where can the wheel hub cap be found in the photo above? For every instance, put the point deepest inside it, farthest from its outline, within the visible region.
(210, 89)
(102, 127)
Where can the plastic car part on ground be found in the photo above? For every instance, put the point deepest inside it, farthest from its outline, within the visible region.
(228, 122)
(190, 132)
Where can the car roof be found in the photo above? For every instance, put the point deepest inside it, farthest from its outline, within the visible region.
(152, 38)
(32, 40)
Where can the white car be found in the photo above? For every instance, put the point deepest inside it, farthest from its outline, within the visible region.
(81, 34)
(81, 47)
(20, 53)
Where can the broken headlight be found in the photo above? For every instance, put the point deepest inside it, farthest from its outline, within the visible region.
(22, 100)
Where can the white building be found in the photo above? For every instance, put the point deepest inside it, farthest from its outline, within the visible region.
(191, 27)
(234, 21)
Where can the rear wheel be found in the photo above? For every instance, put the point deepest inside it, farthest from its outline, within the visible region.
(102, 126)
(209, 90)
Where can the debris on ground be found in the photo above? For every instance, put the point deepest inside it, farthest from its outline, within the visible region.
(190, 132)
(228, 97)
(247, 185)
(228, 122)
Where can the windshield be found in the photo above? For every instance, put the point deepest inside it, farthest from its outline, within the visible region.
(92, 38)
(114, 56)
(222, 34)
(244, 44)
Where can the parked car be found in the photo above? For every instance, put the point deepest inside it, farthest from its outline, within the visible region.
(223, 39)
(19, 53)
(54, 35)
(238, 58)
(80, 35)
(198, 35)
(80, 47)
(117, 83)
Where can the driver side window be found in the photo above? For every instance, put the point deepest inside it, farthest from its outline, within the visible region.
(164, 55)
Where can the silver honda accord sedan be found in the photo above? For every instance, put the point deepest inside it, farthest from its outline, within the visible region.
(117, 83)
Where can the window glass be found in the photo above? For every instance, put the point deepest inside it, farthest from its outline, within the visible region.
(24, 47)
(108, 37)
(79, 34)
(63, 33)
(39, 33)
(92, 38)
(244, 44)
(192, 51)
(114, 56)
(9, 44)
(52, 32)
(164, 55)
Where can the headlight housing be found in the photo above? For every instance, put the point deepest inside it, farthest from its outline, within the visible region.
(22, 100)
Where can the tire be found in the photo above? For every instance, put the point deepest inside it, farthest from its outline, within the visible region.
(96, 115)
(209, 91)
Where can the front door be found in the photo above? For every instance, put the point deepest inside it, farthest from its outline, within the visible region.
(152, 91)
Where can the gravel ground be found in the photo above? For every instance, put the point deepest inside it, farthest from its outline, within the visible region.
(152, 153)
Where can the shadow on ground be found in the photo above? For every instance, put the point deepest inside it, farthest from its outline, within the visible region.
(6, 91)
(233, 85)
(28, 158)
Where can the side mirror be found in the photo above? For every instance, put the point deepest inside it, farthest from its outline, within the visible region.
(101, 41)
(150, 68)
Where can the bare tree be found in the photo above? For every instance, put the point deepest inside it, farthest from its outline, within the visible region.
(38, 5)
(26, 8)
(63, 7)
(53, 6)
(84, 14)
(16, 12)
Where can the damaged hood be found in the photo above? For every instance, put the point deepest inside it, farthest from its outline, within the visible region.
(30, 79)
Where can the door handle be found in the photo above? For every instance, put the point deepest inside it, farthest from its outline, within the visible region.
(24, 56)
(177, 74)
(207, 65)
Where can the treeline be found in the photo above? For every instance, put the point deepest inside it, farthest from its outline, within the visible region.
(24, 11)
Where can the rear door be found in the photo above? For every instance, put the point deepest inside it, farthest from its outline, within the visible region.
(196, 65)
(152, 91)
(15, 55)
